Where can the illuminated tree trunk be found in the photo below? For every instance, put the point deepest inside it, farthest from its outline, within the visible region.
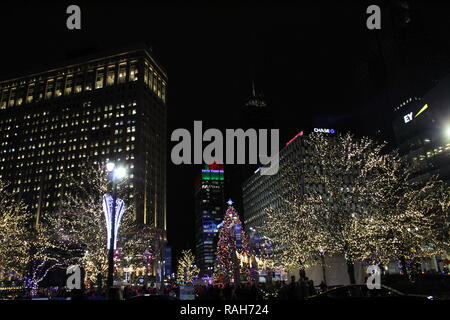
(324, 274)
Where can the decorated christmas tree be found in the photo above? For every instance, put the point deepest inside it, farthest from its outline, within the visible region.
(232, 256)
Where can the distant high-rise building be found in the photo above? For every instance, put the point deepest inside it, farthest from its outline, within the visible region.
(209, 211)
(256, 112)
(261, 192)
(168, 267)
(399, 61)
(422, 131)
(106, 107)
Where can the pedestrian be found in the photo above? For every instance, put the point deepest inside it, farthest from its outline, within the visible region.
(312, 289)
(323, 286)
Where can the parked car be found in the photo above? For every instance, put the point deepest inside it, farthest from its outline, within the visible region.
(362, 292)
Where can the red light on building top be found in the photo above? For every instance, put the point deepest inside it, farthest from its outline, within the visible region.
(215, 166)
(298, 135)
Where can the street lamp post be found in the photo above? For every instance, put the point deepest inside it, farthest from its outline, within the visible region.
(110, 278)
(115, 174)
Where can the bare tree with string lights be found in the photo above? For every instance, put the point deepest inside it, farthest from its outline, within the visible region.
(29, 250)
(187, 271)
(82, 220)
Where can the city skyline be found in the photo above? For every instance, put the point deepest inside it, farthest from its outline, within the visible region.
(299, 62)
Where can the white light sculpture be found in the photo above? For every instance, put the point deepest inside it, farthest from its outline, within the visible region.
(107, 209)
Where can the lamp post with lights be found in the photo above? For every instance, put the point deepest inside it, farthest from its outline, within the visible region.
(115, 174)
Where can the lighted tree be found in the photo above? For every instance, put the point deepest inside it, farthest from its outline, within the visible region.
(290, 232)
(82, 220)
(232, 250)
(328, 193)
(139, 247)
(350, 197)
(412, 221)
(187, 271)
(29, 250)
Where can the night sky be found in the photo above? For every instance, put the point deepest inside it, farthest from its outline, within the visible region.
(317, 64)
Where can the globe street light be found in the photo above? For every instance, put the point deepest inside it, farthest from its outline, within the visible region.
(447, 132)
(115, 174)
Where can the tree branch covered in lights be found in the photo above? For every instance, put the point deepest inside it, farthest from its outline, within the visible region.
(412, 221)
(138, 246)
(187, 271)
(347, 196)
(82, 220)
(28, 251)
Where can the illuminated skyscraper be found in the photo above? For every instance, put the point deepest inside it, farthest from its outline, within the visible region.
(209, 211)
(109, 107)
(422, 131)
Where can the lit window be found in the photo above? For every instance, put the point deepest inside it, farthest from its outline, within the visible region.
(49, 89)
(69, 81)
(4, 99)
(58, 87)
(110, 76)
(30, 93)
(133, 71)
(89, 81)
(12, 97)
(122, 72)
(163, 91)
(99, 79)
(146, 73)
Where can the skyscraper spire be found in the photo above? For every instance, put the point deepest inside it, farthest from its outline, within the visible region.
(255, 100)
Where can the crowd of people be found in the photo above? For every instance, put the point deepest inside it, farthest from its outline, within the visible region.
(293, 290)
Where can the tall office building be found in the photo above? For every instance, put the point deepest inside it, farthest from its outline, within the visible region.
(422, 131)
(209, 210)
(256, 114)
(168, 264)
(261, 192)
(109, 107)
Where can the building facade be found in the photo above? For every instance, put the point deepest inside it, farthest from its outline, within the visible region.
(168, 263)
(261, 192)
(422, 132)
(109, 107)
(209, 211)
